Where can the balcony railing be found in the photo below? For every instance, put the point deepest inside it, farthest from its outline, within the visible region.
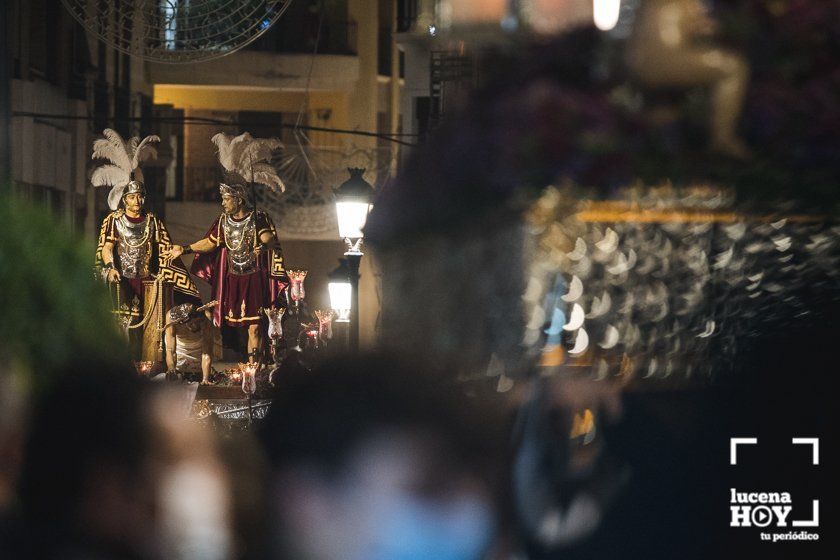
(201, 184)
(302, 36)
(406, 15)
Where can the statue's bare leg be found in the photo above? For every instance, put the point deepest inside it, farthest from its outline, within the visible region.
(725, 72)
(254, 342)
(727, 101)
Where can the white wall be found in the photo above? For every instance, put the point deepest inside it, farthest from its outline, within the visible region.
(49, 153)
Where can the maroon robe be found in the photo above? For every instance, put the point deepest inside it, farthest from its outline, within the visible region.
(242, 297)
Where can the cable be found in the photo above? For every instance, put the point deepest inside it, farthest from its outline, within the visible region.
(217, 122)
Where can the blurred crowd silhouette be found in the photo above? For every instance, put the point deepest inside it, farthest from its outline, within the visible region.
(358, 459)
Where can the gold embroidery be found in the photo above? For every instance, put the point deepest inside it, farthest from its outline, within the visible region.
(230, 319)
(105, 234)
(173, 270)
(276, 267)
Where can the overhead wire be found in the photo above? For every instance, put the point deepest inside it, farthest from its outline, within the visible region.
(216, 122)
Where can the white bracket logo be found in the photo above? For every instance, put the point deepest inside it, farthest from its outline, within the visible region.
(745, 513)
(815, 447)
(733, 447)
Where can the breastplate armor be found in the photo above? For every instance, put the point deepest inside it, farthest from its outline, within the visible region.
(134, 247)
(240, 238)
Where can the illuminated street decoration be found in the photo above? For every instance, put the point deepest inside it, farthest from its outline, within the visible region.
(177, 31)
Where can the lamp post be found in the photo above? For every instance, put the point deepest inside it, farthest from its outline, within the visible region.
(353, 201)
(341, 291)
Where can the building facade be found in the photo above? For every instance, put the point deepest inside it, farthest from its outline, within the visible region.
(320, 79)
(64, 87)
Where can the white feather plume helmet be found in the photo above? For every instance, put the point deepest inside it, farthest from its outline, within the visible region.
(125, 159)
(249, 158)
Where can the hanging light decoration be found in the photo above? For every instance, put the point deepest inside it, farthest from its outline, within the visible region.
(177, 31)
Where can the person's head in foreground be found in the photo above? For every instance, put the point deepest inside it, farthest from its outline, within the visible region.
(115, 470)
(371, 459)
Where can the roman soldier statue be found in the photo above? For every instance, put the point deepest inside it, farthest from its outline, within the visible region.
(131, 252)
(240, 256)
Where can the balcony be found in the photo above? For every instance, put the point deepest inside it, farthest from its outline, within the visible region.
(303, 37)
(254, 69)
(202, 183)
(407, 13)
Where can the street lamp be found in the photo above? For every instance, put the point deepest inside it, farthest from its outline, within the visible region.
(341, 291)
(353, 201)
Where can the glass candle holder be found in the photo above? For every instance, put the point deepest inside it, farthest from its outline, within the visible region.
(249, 379)
(325, 319)
(296, 290)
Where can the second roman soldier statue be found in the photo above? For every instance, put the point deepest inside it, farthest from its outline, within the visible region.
(240, 255)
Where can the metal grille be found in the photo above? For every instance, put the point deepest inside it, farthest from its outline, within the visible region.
(310, 173)
(177, 31)
(452, 77)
